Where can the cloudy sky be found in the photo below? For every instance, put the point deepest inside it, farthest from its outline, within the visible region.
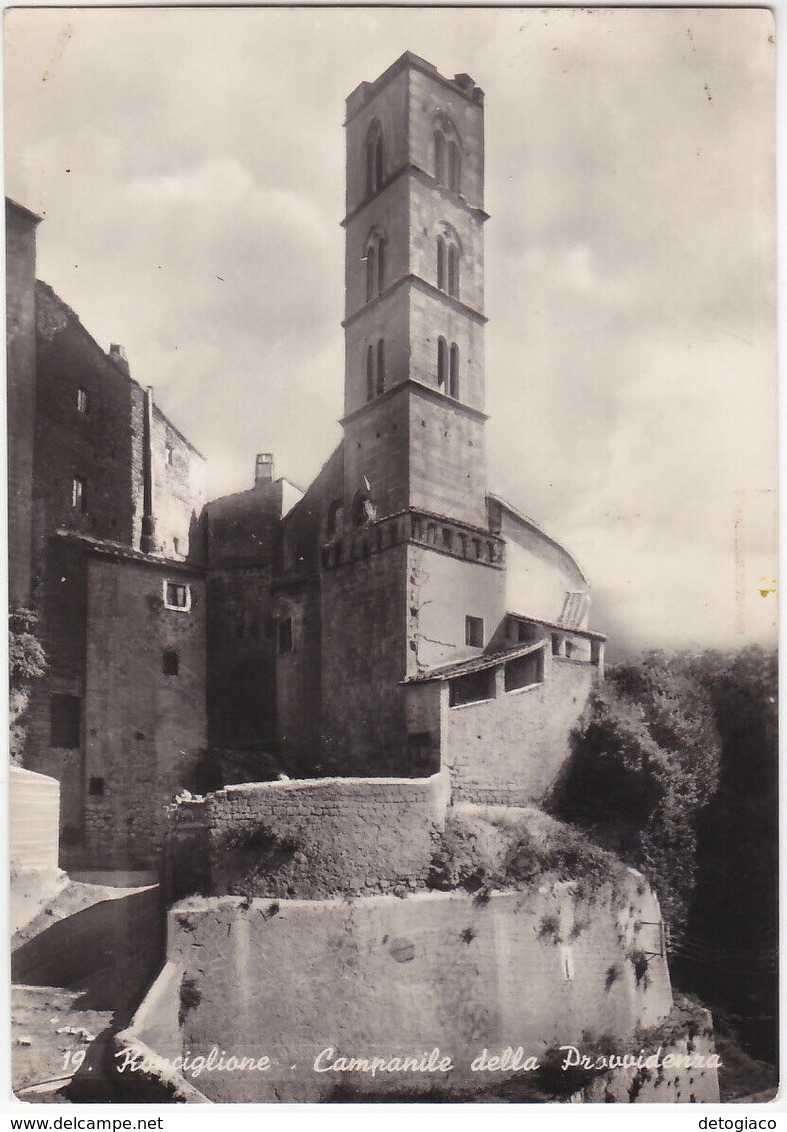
(189, 166)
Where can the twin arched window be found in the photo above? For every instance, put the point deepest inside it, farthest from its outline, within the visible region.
(448, 266)
(375, 265)
(374, 158)
(375, 369)
(447, 155)
(448, 367)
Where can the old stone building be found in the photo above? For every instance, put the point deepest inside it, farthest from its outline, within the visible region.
(105, 501)
(397, 574)
(396, 618)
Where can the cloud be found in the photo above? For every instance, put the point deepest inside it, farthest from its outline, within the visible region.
(190, 163)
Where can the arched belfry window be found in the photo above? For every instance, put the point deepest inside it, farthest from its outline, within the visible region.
(370, 368)
(371, 271)
(442, 363)
(375, 369)
(453, 271)
(380, 367)
(448, 259)
(453, 379)
(374, 254)
(447, 154)
(454, 167)
(374, 158)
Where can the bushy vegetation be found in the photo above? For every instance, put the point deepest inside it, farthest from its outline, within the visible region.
(26, 663)
(483, 851)
(664, 743)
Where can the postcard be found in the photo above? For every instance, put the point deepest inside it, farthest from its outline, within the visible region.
(392, 555)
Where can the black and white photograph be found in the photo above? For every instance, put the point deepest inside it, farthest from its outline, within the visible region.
(392, 557)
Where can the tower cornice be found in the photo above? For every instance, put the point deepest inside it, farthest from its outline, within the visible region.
(428, 289)
(425, 179)
(462, 85)
(419, 388)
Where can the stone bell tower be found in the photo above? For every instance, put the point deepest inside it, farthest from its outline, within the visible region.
(414, 325)
(412, 561)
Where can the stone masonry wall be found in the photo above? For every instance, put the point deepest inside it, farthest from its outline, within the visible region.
(21, 394)
(386, 977)
(509, 750)
(314, 838)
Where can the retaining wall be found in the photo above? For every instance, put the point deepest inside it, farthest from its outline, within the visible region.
(310, 837)
(387, 977)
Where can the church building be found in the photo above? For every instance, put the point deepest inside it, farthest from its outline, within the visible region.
(395, 619)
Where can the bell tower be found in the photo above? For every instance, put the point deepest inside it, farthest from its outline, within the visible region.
(414, 326)
(413, 561)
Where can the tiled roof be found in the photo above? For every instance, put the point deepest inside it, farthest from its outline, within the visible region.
(128, 553)
(473, 664)
(589, 633)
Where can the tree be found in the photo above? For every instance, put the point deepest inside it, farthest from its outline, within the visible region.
(26, 663)
(645, 760)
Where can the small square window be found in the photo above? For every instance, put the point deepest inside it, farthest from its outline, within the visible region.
(170, 662)
(177, 595)
(83, 401)
(96, 787)
(474, 632)
(79, 494)
(284, 632)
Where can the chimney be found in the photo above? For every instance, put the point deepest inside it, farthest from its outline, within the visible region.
(263, 469)
(147, 542)
(118, 355)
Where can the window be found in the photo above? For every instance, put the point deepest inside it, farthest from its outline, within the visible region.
(96, 787)
(473, 688)
(79, 494)
(83, 401)
(448, 265)
(176, 545)
(447, 155)
(369, 373)
(454, 167)
(454, 370)
(64, 721)
(371, 271)
(474, 632)
(557, 644)
(375, 369)
(380, 265)
(170, 662)
(453, 271)
(380, 367)
(439, 154)
(442, 363)
(177, 595)
(169, 453)
(284, 635)
(374, 158)
(524, 671)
